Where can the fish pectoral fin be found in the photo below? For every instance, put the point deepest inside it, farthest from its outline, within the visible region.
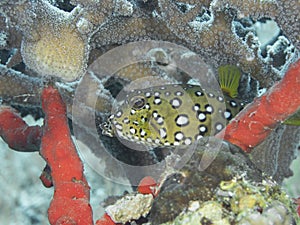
(153, 127)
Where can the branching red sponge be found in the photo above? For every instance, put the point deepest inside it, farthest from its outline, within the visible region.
(148, 186)
(16, 133)
(70, 204)
(253, 124)
(105, 220)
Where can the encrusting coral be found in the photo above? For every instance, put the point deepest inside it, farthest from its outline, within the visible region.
(51, 43)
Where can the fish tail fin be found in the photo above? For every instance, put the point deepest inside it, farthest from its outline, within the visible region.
(229, 78)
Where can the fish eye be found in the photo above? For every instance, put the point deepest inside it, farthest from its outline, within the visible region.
(138, 102)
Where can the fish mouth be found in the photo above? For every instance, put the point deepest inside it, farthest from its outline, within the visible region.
(107, 128)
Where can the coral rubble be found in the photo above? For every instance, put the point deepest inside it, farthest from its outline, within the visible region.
(191, 184)
(240, 202)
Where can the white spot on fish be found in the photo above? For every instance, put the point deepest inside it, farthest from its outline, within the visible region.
(188, 141)
(119, 114)
(199, 137)
(219, 126)
(155, 114)
(220, 98)
(163, 133)
(157, 101)
(233, 103)
(160, 120)
(132, 130)
(179, 93)
(179, 136)
(176, 103)
(126, 120)
(199, 93)
(143, 133)
(202, 128)
(176, 143)
(196, 107)
(209, 109)
(182, 120)
(201, 116)
(227, 115)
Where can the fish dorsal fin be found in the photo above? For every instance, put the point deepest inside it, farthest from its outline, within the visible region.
(229, 78)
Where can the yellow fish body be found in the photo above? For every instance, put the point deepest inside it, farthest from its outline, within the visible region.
(171, 115)
(177, 114)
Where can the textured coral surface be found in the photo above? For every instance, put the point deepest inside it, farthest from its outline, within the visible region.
(66, 43)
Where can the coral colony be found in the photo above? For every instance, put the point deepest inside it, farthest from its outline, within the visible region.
(47, 50)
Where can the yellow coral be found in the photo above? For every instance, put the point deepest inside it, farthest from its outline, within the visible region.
(52, 44)
(59, 53)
